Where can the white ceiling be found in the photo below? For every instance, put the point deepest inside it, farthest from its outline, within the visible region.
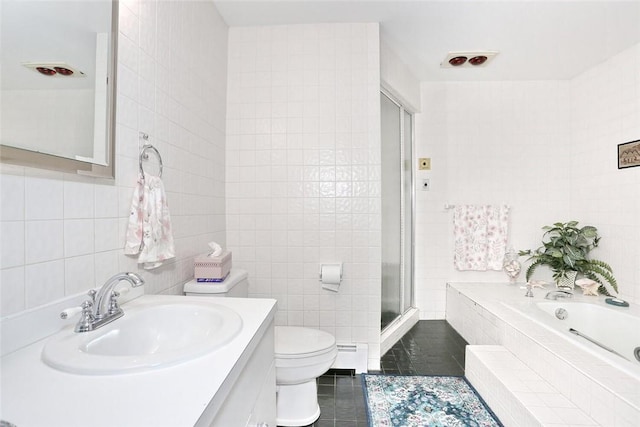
(537, 40)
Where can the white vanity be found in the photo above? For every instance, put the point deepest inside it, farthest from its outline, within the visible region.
(231, 385)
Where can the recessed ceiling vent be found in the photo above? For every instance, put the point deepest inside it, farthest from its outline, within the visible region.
(54, 69)
(468, 59)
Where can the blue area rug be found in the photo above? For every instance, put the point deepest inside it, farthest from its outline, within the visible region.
(421, 401)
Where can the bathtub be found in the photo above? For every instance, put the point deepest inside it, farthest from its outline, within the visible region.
(599, 375)
(611, 333)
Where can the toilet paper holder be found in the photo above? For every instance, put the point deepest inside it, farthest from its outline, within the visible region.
(330, 273)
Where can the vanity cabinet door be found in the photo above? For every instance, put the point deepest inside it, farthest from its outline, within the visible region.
(264, 411)
(252, 399)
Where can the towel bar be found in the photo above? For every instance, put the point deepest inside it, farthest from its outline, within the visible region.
(144, 156)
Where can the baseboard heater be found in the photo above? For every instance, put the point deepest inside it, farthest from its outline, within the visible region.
(352, 356)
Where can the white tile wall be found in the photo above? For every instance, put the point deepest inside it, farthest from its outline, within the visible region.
(489, 144)
(63, 234)
(546, 148)
(605, 111)
(303, 171)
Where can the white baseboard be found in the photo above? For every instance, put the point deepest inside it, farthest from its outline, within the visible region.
(352, 356)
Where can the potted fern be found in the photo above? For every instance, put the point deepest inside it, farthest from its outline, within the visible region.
(565, 251)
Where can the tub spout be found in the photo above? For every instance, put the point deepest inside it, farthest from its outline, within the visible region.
(554, 295)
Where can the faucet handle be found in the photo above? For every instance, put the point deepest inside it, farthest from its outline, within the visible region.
(70, 312)
(86, 318)
(529, 290)
(113, 303)
(85, 308)
(92, 293)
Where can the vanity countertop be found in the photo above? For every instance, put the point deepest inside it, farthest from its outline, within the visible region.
(34, 394)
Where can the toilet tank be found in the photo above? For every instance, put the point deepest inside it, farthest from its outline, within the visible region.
(235, 285)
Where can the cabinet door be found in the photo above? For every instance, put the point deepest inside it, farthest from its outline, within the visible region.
(252, 399)
(264, 412)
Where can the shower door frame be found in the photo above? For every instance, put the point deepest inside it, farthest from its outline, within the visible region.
(411, 235)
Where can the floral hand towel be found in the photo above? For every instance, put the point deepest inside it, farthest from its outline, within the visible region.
(480, 234)
(149, 232)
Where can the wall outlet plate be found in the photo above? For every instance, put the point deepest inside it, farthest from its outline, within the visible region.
(424, 163)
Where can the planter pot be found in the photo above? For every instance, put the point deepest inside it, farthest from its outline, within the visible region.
(568, 280)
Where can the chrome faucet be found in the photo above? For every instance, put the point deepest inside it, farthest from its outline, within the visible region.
(554, 295)
(106, 296)
(103, 307)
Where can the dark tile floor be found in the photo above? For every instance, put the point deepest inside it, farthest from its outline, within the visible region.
(431, 347)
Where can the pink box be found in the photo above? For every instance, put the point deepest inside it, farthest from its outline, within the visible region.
(212, 269)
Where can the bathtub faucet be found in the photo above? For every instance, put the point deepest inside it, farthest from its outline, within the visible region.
(554, 295)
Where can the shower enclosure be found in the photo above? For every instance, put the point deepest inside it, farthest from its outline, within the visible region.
(397, 209)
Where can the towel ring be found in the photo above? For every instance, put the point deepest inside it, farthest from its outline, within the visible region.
(145, 156)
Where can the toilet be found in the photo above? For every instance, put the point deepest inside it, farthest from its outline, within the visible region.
(301, 355)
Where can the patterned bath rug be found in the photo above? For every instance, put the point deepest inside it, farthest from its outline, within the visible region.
(424, 401)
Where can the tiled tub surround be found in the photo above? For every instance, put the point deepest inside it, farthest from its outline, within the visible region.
(214, 389)
(493, 314)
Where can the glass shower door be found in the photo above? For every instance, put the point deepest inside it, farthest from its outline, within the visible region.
(407, 213)
(397, 271)
(391, 210)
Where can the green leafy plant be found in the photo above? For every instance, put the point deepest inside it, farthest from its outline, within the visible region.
(566, 249)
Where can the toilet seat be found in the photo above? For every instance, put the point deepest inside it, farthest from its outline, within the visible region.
(294, 342)
(302, 354)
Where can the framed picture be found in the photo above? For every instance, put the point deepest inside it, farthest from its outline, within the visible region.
(629, 154)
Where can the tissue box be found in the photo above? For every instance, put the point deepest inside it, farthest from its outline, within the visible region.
(212, 269)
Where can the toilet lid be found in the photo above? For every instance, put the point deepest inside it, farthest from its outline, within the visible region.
(236, 275)
(296, 341)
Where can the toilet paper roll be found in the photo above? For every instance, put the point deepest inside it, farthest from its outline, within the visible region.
(332, 288)
(331, 274)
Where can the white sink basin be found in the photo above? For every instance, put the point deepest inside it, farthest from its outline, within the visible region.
(145, 338)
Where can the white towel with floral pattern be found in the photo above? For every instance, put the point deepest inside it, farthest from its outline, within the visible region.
(480, 234)
(149, 230)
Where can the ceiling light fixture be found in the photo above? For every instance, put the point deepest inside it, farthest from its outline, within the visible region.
(457, 61)
(54, 69)
(468, 59)
(478, 60)
(64, 71)
(46, 71)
